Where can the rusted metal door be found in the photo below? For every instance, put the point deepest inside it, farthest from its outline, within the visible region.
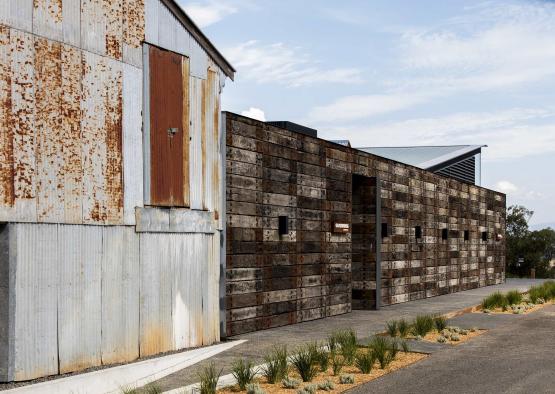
(168, 128)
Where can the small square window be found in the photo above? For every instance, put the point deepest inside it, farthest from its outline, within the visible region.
(466, 235)
(418, 232)
(484, 236)
(444, 234)
(283, 225)
(385, 230)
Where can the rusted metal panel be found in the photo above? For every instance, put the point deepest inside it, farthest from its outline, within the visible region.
(166, 128)
(49, 141)
(120, 294)
(36, 273)
(93, 26)
(204, 125)
(79, 295)
(17, 14)
(156, 333)
(71, 22)
(23, 105)
(133, 31)
(113, 12)
(71, 132)
(101, 127)
(47, 19)
(195, 148)
(6, 127)
(132, 142)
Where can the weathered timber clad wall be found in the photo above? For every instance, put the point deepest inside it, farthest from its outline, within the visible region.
(276, 280)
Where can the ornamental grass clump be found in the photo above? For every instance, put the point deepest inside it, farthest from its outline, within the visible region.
(392, 328)
(254, 388)
(347, 340)
(276, 364)
(323, 359)
(364, 361)
(209, 379)
(326, 385)
(440, 323)
(244, 372)
(422, 325)
(290, 383)
(347, 379)
(403, 327)
(383, 350)
(514, 297)
(337, 363)
(304, 363)
(310, 389)
(495, 300)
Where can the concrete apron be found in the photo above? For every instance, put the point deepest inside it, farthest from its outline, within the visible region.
(113, 380)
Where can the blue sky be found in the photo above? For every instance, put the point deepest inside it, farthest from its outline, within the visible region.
(387, 73)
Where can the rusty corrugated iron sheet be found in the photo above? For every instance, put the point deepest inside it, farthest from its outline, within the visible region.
(6, 134)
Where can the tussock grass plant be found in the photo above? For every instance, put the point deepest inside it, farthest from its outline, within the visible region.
(346, 379)
(348, 345)
(254, 388)
(310, 389)
(514, 297)
(337, 363)
(209, 379)
(403, 327)
(304, 363)
(290, 383)
(323, 359)
(244, 372)
(405, 346)
(546, 291)
(392, 328)
(364, 361)
(495, 300)
(276, 364)
(422, 325)
(440, 323)
(326, 385)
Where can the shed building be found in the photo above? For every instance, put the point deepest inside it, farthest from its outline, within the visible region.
(111, 184)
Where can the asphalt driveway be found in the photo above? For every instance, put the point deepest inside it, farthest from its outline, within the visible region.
(516, 356)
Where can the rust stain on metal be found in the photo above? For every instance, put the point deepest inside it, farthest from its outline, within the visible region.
(71, 132)
(113, 180)
(6, 126)
(49, 142)
(113, 11)
(134, 22)
(52, 7)
(204, 104)
(23, 102)
(155, 340)
(214, 92)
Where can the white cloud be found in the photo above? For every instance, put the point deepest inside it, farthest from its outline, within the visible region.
(506, 187)
(279, 63)
(254, 113)
(207, 13)
(360, 107)
(510, 134)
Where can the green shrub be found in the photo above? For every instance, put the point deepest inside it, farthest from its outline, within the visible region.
(290, 383)
(440, 323)
(422, 325)
(514, 297)
(304, 362)
(392, 328)
(346, 379)
(495, 300)
(276, 364)
(209, 379)
(364, 361)
(244, 372)
(403, 327)
(337, 363)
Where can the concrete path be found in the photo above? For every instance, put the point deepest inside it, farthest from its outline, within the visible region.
(365, 323)
(517, 356)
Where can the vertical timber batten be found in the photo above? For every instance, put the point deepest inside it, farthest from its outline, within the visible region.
(378, 242)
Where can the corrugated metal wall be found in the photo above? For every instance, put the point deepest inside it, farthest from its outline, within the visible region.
(89, 289)
(92, 295)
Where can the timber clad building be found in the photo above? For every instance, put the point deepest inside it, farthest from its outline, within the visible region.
(411, 233)
(127, 229)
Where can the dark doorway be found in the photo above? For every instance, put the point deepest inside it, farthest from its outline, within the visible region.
(364, 237)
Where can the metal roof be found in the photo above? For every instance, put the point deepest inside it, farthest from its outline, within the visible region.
(425, 157)
(198, 35)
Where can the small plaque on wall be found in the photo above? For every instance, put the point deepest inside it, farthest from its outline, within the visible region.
(342, 228)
